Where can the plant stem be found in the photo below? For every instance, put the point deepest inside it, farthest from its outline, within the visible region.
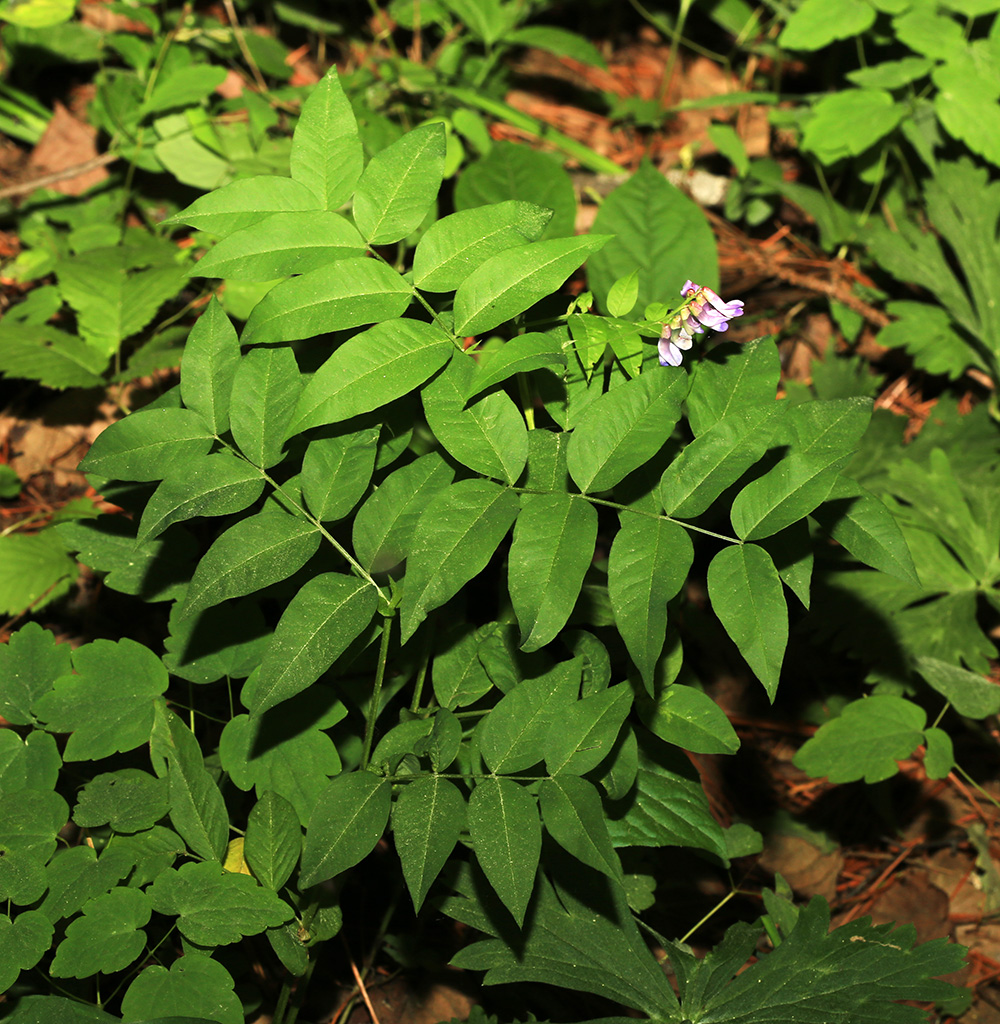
(383, 656)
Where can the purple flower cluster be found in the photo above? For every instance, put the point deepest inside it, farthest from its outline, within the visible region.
(702, 309)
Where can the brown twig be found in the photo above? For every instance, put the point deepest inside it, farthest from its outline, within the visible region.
(50, 179)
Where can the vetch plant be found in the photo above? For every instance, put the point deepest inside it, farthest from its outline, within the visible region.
(703, 309)
(386, 618)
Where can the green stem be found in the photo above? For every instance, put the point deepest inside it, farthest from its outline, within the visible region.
(282, 1003)
(300, 994)
(383, 656)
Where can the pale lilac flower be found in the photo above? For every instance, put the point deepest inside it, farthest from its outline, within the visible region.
(702, 309)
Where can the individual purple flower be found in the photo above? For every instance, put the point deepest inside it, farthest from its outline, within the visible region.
(702, 309)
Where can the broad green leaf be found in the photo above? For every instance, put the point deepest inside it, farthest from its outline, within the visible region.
(967, 692)
(35, 568)
(666, 806)
(689, 719)
(863, 524)
(716, 459)
(454, 538)
(211, 355)
(567, 942)
(400, 184)
(150, 852)
(733, 382)
(245, 203)
(816, 23)
(864, 741)
(558, 41)
(445, 740)
(336, 470)
(197, 810)
(507, 837)
(149, 445)
(791, 550)
(37, 14)
(317, 626)
(846, 123)
(44, 353)
(384, 525)
(514, 280)
(31, 763)
(513, 735)
(826, 429)
(370, 370)
(250, 555)
(347, 822)
(427, 819)
(129, 800)
(210, 485)
(624, 428)
(285, 752)
(457, 674)
(657, 230)
(573, 815)
(966, 106)
(183, 87)
(282, 245)
(23, 942)
(939, 757)
(266, 388)
(867, 970)
(273, 840)
(647, 566)
(110, 701)
(327, 156)
(547, 461)
(194, 986)
(747, 596)
(553, 547)
(30, 664)
(216, 907)
(348, 293)
(487, 21)
(785, 494)
(488, 436)
(454, 246)
(76, 876)
(31, 819)
(107, 938)
(585, 733)
(522, 353)
(513, 172)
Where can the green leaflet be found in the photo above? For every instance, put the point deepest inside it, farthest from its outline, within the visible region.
(149, 445)
(216, 907)
(522, 353)
(747, 596)
(507, 837)
(282, 245)
(266, 388)
(23, 942)
(400, 184)
(347, 822)
(690, 719)
(384, 525)
(454, 539)
(370, 370)
(273, 840)
(250, 555)
(211, 356)
(553, 546)
(733, 383)
(193, 987)
(454, 246)
(326, 155)
(211, 485)
(487, 435)
(336, 471)
(647, 566)
(348, 293)
(573, 815)
(510, 282)
(623, 429)
(197, 810)
(427, 819)
(583, 735)
(315, 629)
(864, 741)
(130, 800)
(244, 203)
(110, 702)
(107, 938)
